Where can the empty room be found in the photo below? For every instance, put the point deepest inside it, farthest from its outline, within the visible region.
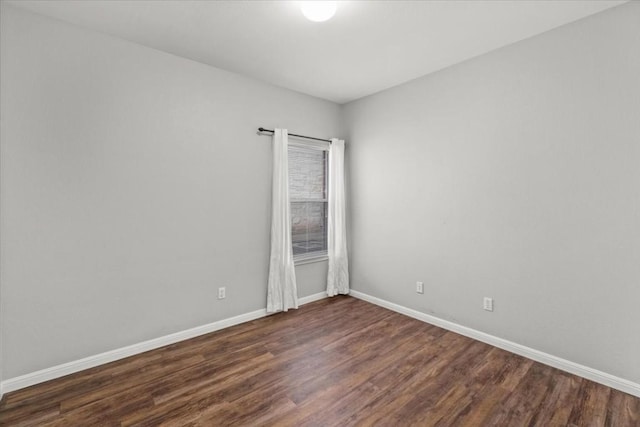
(320, 213)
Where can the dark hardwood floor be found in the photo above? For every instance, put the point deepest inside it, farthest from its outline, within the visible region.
(335, 362)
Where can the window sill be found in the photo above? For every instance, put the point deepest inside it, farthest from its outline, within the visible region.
(310, 259)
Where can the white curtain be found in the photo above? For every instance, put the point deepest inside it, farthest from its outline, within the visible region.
(282, 293)
(338, 276)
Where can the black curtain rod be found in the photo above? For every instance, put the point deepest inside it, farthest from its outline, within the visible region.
(299, 136)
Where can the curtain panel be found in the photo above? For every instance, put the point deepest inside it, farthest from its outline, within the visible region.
(282, 292)
(338, 274)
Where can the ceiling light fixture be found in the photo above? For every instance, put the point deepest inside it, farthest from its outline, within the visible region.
(318, 11)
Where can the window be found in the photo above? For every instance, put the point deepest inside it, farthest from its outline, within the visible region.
(308, 198)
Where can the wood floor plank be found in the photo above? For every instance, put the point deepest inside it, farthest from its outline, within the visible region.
(590, 409)
(556, 408)
(334, 362)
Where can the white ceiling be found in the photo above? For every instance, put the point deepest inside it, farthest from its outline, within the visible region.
(367, 47)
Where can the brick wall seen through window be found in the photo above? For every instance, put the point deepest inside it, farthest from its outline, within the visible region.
(308, 197)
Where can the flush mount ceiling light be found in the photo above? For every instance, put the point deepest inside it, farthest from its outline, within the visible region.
(318, 11)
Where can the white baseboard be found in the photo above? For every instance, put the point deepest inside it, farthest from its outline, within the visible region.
(58, 371)
(312, 298)
(530, 353)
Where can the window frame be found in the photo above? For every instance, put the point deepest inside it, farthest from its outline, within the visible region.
(322, 255)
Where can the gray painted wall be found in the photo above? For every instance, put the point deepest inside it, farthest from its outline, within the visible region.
(515, 175)
(133, 185)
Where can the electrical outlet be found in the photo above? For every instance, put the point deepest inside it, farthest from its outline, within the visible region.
(420, 287)
(222, 293)
(488, 304)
